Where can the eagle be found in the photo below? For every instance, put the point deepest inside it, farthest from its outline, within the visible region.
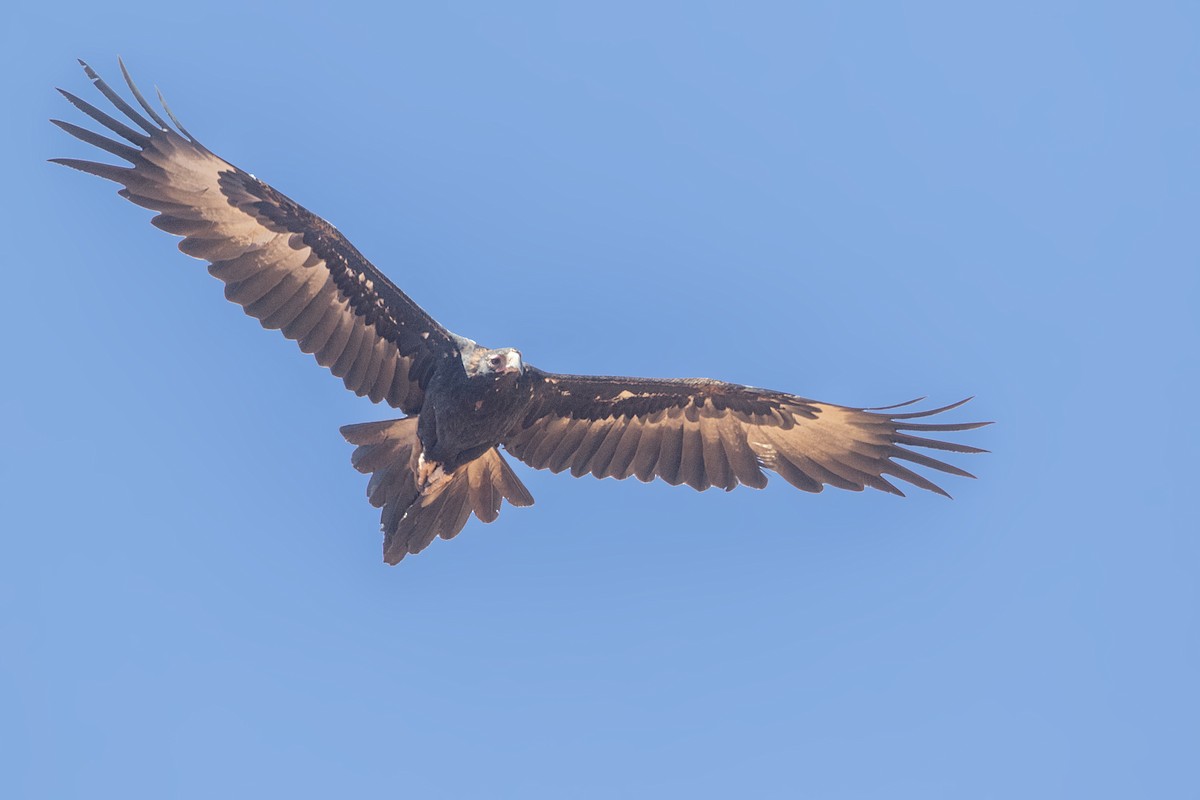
(439, 464)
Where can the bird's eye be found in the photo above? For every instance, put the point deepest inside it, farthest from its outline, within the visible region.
(496, 361)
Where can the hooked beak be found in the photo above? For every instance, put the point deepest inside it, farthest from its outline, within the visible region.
(513, 365)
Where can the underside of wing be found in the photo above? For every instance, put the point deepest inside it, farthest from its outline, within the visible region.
(285, 266)
(708, 433)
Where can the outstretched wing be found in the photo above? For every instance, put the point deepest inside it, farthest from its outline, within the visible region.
(285, 266)
(709, 433)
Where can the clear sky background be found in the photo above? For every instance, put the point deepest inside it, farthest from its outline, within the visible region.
(860, 203)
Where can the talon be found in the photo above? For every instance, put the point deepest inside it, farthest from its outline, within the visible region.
(430, 475)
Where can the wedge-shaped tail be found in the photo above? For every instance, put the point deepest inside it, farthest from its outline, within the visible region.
(389, 452)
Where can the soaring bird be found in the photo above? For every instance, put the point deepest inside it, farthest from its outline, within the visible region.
(430, 470)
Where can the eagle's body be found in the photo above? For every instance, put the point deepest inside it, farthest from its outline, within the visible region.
(431, 470)
(470, 403)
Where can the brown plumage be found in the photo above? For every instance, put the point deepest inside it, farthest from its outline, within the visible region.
(709, 433)
(432, 470)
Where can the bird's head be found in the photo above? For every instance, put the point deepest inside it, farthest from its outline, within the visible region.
(494, 363)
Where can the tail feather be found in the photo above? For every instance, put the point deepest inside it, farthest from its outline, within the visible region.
(389, 452)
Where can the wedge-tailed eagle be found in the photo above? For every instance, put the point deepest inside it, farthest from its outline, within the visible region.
(293, 271)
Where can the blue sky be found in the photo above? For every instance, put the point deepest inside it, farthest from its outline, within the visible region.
(860, 204)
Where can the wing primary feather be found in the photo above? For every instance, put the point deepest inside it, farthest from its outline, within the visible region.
(897, 405)
(929, 461)
(941, 426)
(819, 472)
(103, 142)
(117, 100)
(138, 96)
(929, 413)
(920, 481)
(866, 475)
(847, 472)
(883, 484)
(106, 171)
(175, 119)
(114, 125)
(794, 475)
(934, 444)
